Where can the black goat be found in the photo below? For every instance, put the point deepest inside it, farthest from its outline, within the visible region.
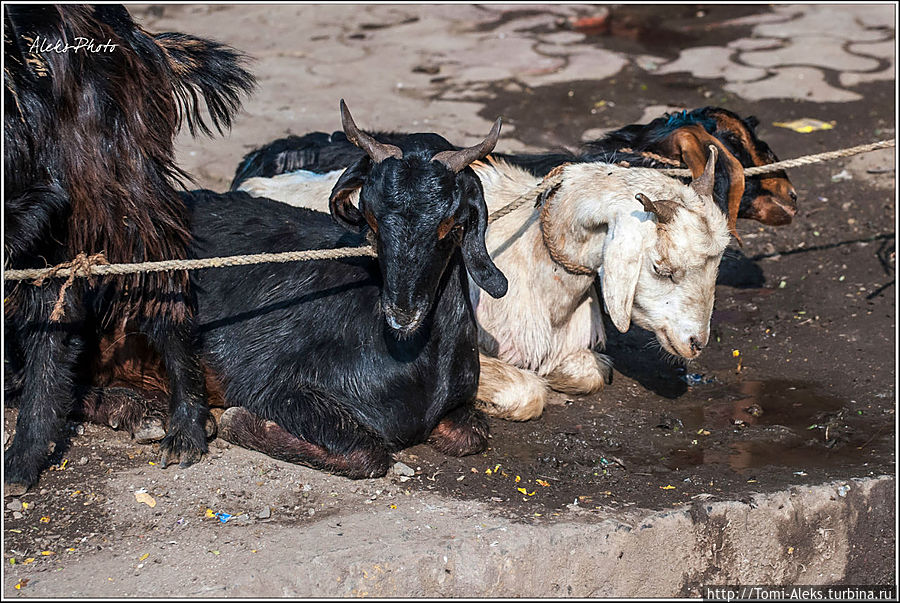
(89, 168)
(684, 137)
(336, 363)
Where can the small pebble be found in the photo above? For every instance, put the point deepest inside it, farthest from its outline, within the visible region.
(311, 512)
(14, 505)
(403, 469)
(17, 515)
(83, 460)
(265, 513)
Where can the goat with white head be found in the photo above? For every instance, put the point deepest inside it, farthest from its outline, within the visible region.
(654, 242)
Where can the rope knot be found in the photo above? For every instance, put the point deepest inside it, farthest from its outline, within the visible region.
(81, 266)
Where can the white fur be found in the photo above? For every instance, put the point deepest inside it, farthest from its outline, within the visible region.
(549, 320)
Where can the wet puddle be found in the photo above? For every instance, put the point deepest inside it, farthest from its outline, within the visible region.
(772, 423)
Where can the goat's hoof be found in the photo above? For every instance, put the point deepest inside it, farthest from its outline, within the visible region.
(184, 458)
(228, 423)
(150, 430)
(461, 433)
(532, 408)
(211, 427)
(184, 449)
(14, 489)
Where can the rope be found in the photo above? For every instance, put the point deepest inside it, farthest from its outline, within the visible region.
(555, 253)
(799, 161)
(103, 269)
(550, 181)
(80, 266)
(96, 264)
(654, 157)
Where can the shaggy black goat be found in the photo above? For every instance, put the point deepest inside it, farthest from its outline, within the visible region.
(89, 132)
(683, 137)
(336, 363)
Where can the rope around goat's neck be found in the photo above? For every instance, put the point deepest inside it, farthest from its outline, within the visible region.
(545, 198)
(99, 268)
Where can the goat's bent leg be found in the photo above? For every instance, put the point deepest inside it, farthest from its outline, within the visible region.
(462, 431)
(123, 408)
(508, 392)
(50, 352)
(189, 416)
(366, 458)
(583, 372)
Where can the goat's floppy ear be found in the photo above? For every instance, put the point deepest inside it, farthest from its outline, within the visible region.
(475, 254)
(690, 143)
(340, 205)
(623, 253)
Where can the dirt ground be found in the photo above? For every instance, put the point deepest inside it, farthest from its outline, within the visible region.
(797, 385)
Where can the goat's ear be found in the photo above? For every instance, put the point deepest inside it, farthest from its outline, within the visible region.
(752, 121)
(475, 254)
(340, 204)
(623, 253)
(690, 143)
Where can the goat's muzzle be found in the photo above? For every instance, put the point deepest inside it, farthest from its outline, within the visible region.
(404, 322)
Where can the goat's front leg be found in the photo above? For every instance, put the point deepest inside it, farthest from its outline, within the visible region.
(462, 431)
(583, 372)
(50, 353)
(508, 392)
(353, 452)
(185, 440)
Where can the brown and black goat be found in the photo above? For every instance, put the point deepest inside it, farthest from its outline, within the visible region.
(89, 168)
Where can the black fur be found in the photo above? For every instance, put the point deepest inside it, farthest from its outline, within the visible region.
(89, 167)
(357, 357)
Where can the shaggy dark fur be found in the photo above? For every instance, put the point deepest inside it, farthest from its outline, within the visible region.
(89, 167)
(769, 199)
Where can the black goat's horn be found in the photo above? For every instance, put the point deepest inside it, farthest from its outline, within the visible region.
(663, 210)
(458, 160)
(374, 149)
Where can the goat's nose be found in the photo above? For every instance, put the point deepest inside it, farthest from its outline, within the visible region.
(696, 344)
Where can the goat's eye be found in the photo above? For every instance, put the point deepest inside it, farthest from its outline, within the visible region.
(664, 273)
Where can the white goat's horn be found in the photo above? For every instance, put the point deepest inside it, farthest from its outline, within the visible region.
(458, 160)
(663, 210)
(703, 185)
(374, 149)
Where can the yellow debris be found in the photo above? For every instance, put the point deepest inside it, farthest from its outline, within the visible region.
(143, 497)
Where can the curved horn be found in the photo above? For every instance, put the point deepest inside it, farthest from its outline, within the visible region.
(458, 160)
(374, 149)
(663, 210)
(704, 185)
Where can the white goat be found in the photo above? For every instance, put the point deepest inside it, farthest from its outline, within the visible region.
(657, 263)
